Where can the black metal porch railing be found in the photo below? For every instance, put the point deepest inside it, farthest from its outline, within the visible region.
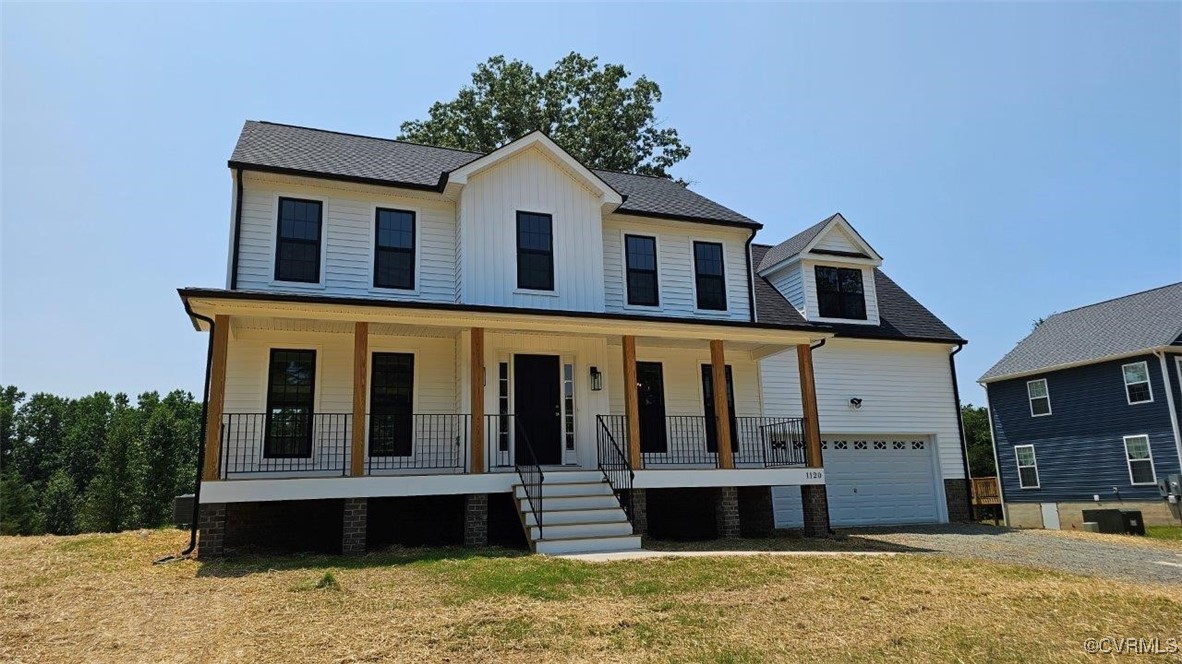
(499, 431)
(614, 464)
(688, 441)
(530, 473)
(769, 442)
(285, 442)
(681, 441)
(420, 441)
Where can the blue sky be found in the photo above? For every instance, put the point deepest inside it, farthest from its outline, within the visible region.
(1007, 160)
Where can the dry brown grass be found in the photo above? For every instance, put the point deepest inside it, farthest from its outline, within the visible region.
(1160, 543)
(98, 598)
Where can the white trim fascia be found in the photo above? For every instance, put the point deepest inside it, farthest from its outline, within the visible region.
(1071, 365)
(836, 220)
(1170, 397)
(1129, 462)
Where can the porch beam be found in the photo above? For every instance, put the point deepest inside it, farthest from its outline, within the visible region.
(631, 401)
(722, 416)
(360, 380)
(217, 397)
(476, 374)
(808, 400)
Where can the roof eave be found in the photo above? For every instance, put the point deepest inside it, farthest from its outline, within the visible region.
(280, 170)
(987, 379)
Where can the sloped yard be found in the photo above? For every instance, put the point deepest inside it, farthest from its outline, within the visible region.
(98, 598)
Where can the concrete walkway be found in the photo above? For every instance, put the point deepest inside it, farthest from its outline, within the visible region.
(647, 553)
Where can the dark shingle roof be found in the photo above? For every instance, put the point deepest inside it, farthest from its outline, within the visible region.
(1145, 320)
(286, 148)
(793, 245)
(900, 315)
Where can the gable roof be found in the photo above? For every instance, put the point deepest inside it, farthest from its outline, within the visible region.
(804, 241)
(280, 148)
(1122, 326)
(901, 317)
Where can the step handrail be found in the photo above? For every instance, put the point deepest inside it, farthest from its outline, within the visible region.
(616, 468)
(527, 471)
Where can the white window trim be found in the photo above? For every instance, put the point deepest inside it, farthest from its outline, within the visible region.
(303, 285)
(1030, 399)
(693, 274)
(1129, 462)
(373, 249)
(651, 308)
(1148, 382)
(554, 244)
(867, 275)
(1034, 465)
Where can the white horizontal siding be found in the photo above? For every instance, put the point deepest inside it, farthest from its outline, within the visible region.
(790, 282)
(681, 369)
(810, 292)
(348, 230)
(675, 266)
(837, 240)
(530, 182)
(906, 388)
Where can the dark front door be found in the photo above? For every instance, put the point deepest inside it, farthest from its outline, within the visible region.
(538, 409)
(708, 406)
(650, 392)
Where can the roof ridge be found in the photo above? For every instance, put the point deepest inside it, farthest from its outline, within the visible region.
(1113, 299)
(366, 136)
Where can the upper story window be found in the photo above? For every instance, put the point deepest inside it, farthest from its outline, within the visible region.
(1040, 397)
(297, 246)
(535, 251)
(839, 293)
(640, 256)
(1137, 388)
(394, 249)
(709, 276)
(1140, 460)
(1027, 466)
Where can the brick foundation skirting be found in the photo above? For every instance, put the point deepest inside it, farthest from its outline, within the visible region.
(726, 512)
(639, 512)
(211, 529)
(355, 515)
(816, 510)
(956, 494)
(476, 520)
(756, 513)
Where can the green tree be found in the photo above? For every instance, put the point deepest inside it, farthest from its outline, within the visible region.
(85, 434)
(111, 496)
(59, 505)
(18, 505)
(583, 106)
(40, 426)
(10, 401)
(979, 440)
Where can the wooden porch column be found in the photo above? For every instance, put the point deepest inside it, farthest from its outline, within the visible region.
(722, 416)
(217, 397)
(360, 380)
(808, 401)
(631, 402)
(477, 399)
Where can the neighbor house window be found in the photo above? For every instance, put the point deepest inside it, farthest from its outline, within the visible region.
(297, 244)
(709, 277)
(291, 382)
(839, 293)
(394, 249)
(1040, 398)
(1140, 460)
(535, 251)
(1027, 466)
(640, 256)
(1137, 388)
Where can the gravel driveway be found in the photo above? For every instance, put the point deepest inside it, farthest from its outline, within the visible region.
(1135, 561)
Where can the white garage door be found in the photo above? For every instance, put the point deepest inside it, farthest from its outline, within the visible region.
(870, 481)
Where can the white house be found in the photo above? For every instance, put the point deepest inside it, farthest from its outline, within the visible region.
(417, 344)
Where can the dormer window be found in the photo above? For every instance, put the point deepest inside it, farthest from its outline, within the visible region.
(839, 293)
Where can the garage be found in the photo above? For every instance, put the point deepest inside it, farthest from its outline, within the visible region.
(871, 481)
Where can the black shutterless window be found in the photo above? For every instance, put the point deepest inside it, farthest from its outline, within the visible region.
(839, 293)
(709, 277)
(640, 257)
(391, 404)
(535, 251)
(291, 382)
(394, 249)
(297, 246)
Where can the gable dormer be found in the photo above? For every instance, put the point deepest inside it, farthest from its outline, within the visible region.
(827, 273)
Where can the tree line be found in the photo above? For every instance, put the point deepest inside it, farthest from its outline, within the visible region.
(99, 463)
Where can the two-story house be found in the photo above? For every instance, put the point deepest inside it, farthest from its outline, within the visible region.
(424, 345)
(1085, 411)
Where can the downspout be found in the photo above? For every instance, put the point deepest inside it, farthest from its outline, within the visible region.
(964, 446)
(750, 276)
(1165, 376)
(237, 236)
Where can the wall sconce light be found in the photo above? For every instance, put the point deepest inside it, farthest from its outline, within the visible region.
(596, 379)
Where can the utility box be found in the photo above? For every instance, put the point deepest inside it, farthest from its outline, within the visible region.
(1133, 523)
(1108, 521)
(1171, 485)
(182, 510)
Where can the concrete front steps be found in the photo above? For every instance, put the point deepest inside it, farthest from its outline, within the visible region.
(580, 514)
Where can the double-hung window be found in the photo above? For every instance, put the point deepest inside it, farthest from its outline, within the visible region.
(1137, 389)
(535, 251)
(297, 243)
(839, 293)
(1140, 460)
(640, 256)
(394, 249)
(291, 382)
(1040, 397)
(709, 276)
(1027, 466)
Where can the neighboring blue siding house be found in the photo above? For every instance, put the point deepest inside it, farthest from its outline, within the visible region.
(1085, 411)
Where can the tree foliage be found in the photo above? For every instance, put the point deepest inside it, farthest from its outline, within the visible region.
(585, 107)
(979, 440)
(99, 462)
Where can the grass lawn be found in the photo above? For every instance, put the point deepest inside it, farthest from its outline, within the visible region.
(1168, 533)
(98, 598)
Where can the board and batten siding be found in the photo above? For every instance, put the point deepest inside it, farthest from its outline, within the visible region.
(530, 182)
(675, 266)
(347, 238)
(906, 388)
(811, 308)
(1079, 447)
